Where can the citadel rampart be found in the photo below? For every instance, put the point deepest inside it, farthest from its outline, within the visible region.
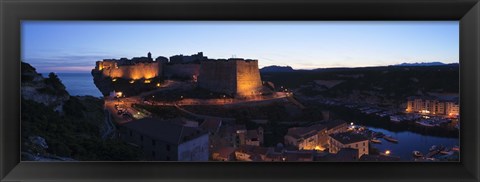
(236, 77)
(142, 70)
(181, 70)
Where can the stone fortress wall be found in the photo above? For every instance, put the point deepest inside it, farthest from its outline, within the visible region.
(236, 77)
(181, 70)
(134, 71)
(248, 78)
(218, 76)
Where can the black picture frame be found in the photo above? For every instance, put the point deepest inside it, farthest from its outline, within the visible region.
(13, 12)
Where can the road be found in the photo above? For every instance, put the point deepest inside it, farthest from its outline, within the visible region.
(126, 103)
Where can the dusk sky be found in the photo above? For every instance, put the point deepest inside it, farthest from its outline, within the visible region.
(74, 46)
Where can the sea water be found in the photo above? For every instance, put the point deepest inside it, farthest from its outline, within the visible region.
(78, 84)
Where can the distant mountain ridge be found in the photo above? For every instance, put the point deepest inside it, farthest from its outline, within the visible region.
(422, 64)
(275, 68)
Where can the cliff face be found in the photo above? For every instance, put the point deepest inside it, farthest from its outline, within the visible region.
(69, 134)
(48, 91)
(104, 84)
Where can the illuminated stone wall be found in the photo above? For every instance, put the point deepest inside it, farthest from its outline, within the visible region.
(248, 78)
(235, 77)
(136, 71)
(218, 76)
(182, 70)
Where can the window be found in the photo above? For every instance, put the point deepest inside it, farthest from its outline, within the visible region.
(364, 143)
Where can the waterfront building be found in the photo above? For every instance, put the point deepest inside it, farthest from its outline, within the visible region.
(430, 105)
(340, 141)
(306, 138)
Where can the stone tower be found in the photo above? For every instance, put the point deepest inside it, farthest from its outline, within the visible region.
(237, 77)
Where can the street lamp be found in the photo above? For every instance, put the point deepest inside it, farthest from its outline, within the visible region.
(387, 152)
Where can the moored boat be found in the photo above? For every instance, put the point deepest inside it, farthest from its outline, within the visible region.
(390, 139)
(417, 154)
(375, 140)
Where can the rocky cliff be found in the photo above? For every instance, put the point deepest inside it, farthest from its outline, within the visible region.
(49, 91)
(60, 127)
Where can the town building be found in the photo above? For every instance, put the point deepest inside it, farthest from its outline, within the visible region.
(430, 105)
(339, 141)
(167, 141)
(251, 153)
(242, 136)
(307, 138)
(343, 155)
(314, 137)
(224, 154)
(335, 126)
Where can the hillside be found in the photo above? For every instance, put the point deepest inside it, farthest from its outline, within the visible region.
(392, 83)
(58, 127)
(275, 68)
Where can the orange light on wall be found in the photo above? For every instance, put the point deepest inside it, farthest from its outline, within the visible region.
(147, 81)
(132, 81)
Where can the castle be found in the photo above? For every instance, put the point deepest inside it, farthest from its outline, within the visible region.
(237, 77)
(234, 76)
(134, 69)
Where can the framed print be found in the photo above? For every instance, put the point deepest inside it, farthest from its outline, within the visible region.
(154, 90)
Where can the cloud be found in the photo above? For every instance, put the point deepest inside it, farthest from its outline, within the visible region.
(68, 63)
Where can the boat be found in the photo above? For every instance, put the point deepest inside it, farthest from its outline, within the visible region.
(375, 140)
(417, 154)
(437, 148)
(426, 123)
(390, 139)
(451, 152)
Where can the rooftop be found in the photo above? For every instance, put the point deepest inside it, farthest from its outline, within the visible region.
(305, 132)
(348, 137)
(224, 152)
(333, 123)
(211, 125)
(164, 130)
